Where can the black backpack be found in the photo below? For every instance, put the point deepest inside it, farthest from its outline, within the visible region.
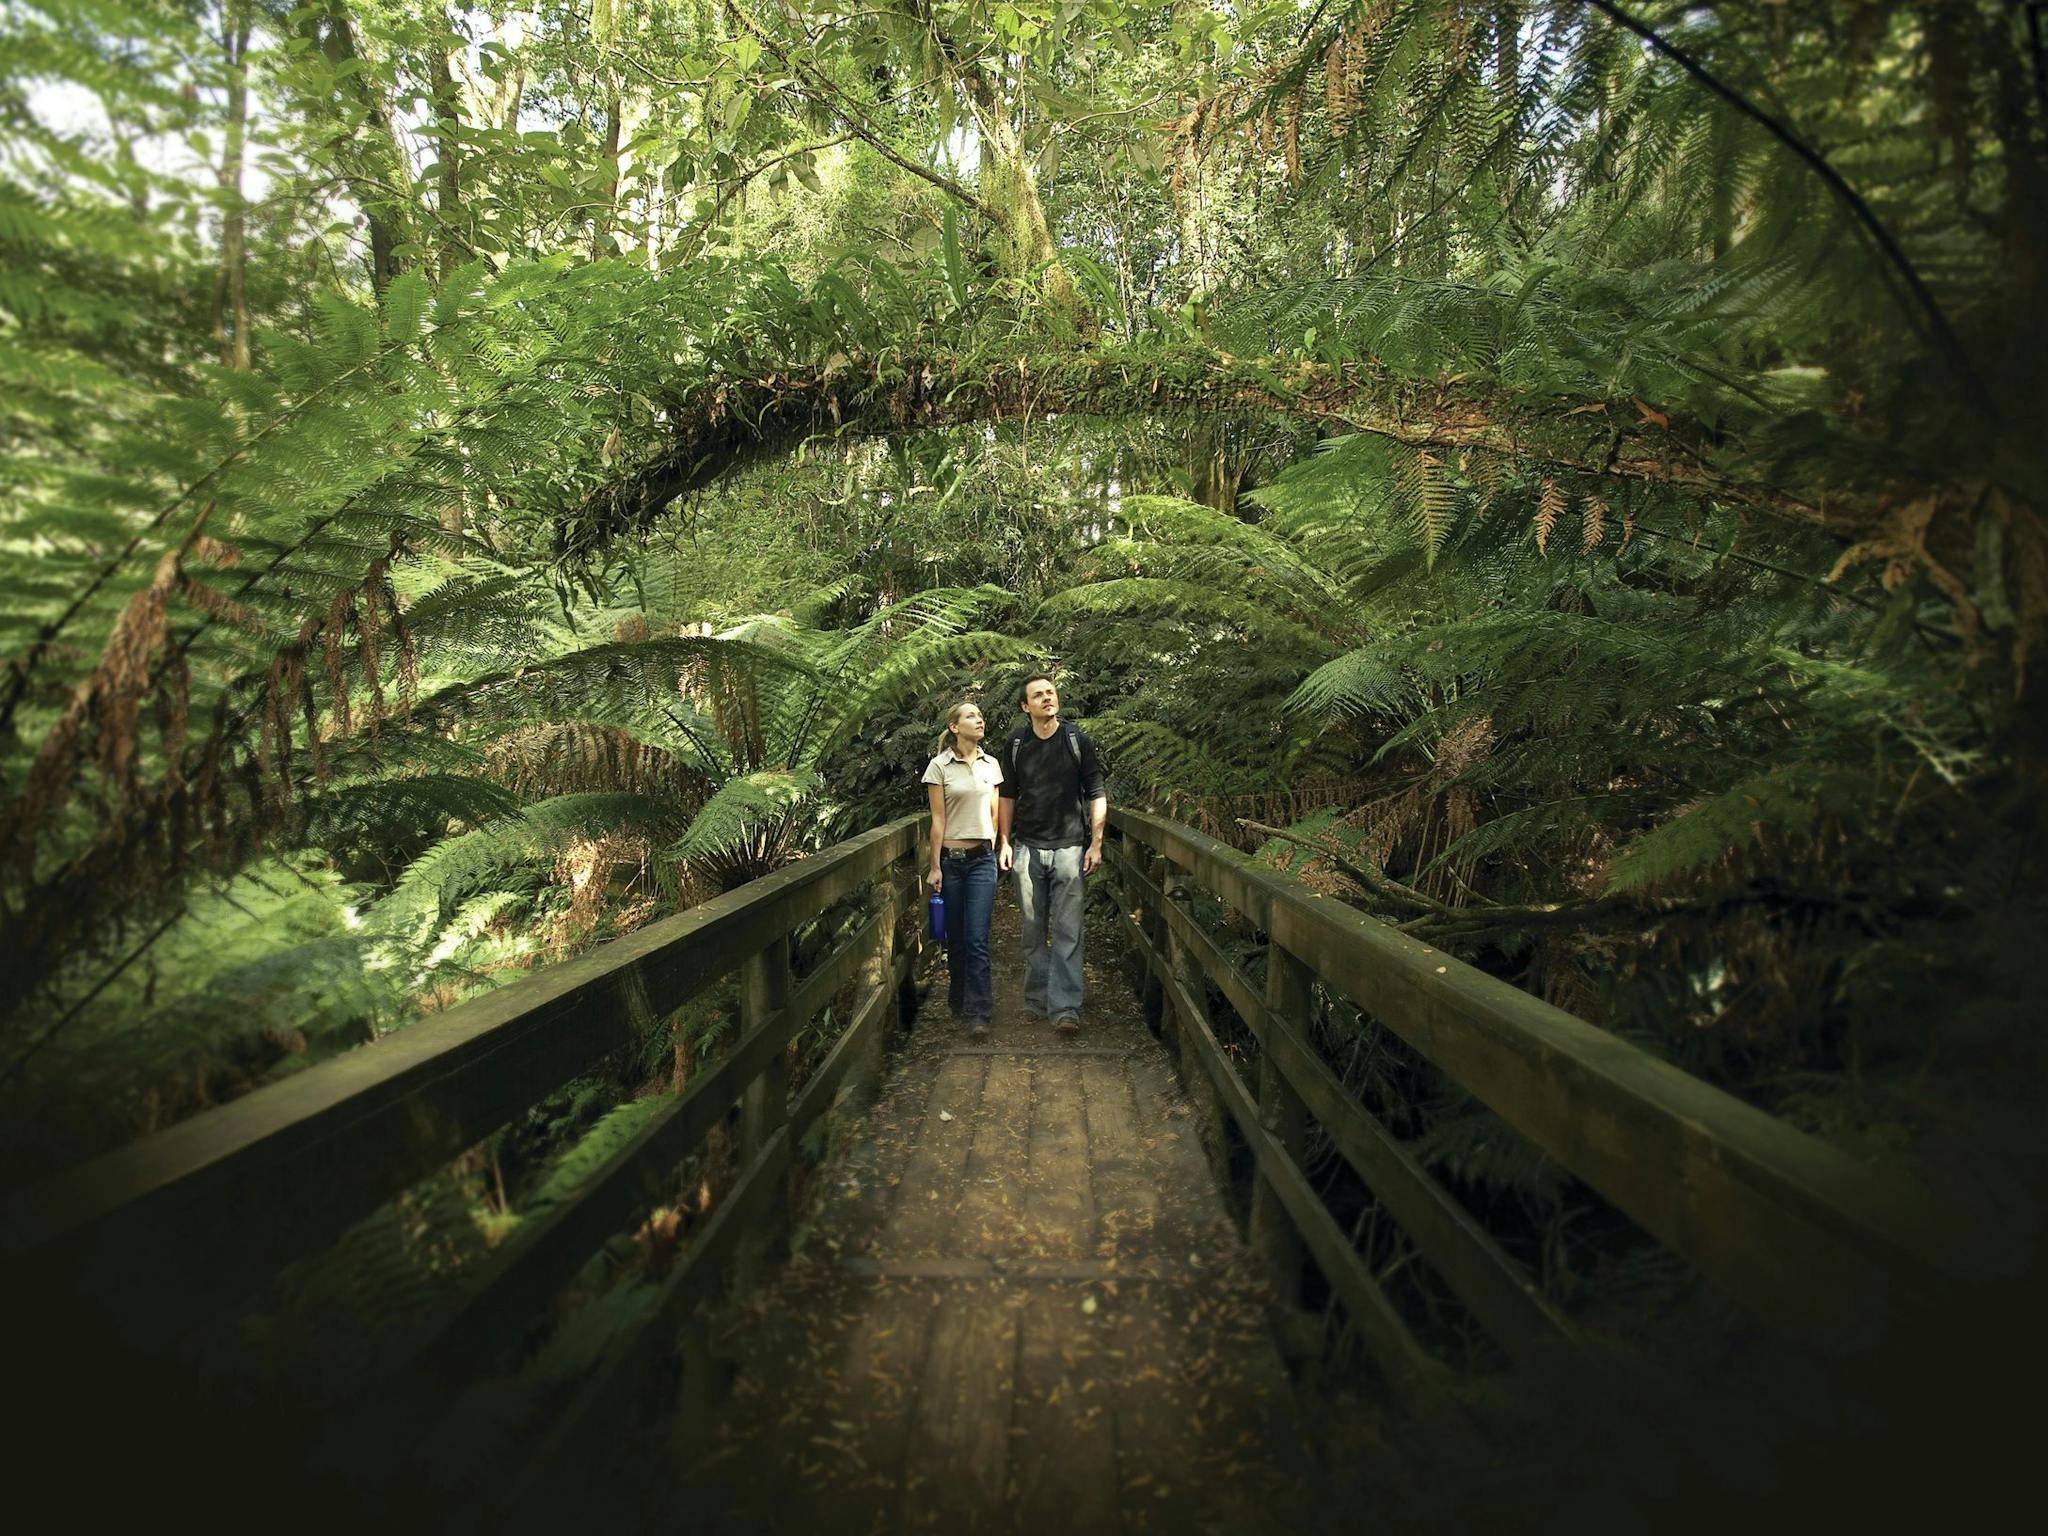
(1067, 729)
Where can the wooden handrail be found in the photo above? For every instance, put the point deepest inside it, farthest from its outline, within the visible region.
(199, 1214)
(125, 1256)
(522, 1273)
(1505, 1299)
(1790, 1226)
(207, 1208)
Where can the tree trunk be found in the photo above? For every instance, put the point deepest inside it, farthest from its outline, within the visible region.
(1216, 463)
(511, 95)
(367, 153)
(454, 248)
(1200, 241)
(230, 295)
(606, 216)
(1017, 202)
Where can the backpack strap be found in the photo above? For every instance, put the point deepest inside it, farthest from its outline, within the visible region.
(1018, 737)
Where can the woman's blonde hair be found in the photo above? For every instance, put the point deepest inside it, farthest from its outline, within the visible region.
(946, 741)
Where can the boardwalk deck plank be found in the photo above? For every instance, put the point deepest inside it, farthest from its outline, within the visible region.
(1063, 1451)
(997, 1175)
(1024, 1312)
(926, 1215)
(1059, 1200)
(956, 1475)
(1127, 1199)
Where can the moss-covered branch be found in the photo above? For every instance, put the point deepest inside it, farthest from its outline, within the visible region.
(728, 423)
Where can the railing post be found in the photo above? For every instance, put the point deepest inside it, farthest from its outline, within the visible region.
(764, 1106)
(1194, 1076)
(1151, 995)
(907, 881)
(1287, 1000)
(697, 1393)
(878, 970)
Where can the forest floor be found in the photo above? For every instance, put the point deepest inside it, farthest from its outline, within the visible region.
(1020, 1304)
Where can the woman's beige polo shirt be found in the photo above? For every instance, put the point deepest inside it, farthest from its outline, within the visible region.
(970, 793)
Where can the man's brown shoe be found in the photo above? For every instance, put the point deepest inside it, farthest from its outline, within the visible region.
(1067, 1025)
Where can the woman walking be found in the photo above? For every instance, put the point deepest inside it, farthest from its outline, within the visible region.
(962, 782)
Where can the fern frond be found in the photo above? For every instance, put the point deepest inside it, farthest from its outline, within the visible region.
(741, 810)
(1785, 806)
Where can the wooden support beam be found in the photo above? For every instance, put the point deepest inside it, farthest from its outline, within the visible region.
(1506, 1300)
(764, 1105)
(851, 1056)
(885, 902)
(1408, 1367)
(1287, 996)
(160, 1230)
(1181, 970)
(1152, 996)
(519, 1277)
(1788, 1225)
(587, 1434)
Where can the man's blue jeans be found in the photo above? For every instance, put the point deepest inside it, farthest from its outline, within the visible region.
(1052, 896)
(967, 880)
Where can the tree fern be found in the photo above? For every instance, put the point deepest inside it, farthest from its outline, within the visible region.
(435, 883)
(746, 822)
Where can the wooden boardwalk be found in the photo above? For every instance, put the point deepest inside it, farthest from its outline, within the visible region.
(1019, 1305)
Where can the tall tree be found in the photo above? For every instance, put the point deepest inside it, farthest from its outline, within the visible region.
(230, 289)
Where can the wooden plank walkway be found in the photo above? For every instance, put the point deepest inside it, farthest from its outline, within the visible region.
(1020, 1305)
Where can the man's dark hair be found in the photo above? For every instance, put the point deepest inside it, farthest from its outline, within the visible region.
(1024, 691)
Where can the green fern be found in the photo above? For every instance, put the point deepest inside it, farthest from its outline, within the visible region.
(747, 810)
(573, 1167)
(1787, 806)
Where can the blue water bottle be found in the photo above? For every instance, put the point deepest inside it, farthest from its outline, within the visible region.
(938, 911)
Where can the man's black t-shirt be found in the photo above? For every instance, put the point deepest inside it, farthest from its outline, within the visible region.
(1050, 789)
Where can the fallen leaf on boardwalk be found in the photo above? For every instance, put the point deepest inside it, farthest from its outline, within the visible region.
(946, 1115)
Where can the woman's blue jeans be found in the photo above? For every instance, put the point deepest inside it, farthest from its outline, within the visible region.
(967, 879)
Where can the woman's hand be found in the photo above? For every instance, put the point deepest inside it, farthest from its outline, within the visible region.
(934, 879)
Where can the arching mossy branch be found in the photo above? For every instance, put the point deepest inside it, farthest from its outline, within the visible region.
(731, 422)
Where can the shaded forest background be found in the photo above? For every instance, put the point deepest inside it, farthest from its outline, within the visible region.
(478, 478)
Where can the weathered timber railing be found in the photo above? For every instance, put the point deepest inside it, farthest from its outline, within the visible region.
(136, 1246)
(1787, 1225)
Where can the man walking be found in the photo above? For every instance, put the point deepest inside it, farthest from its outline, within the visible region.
(1052, 809)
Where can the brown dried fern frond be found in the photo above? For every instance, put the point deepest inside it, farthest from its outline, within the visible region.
(407, 666)
(1336, 99)
(370, 655)
(333, 635)
(101, 722)
(1593, 519)
(573, 757)
(1550, 506)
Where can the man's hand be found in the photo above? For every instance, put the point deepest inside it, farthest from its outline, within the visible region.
(1091, 858)
(936, 880)
(1004, 858)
